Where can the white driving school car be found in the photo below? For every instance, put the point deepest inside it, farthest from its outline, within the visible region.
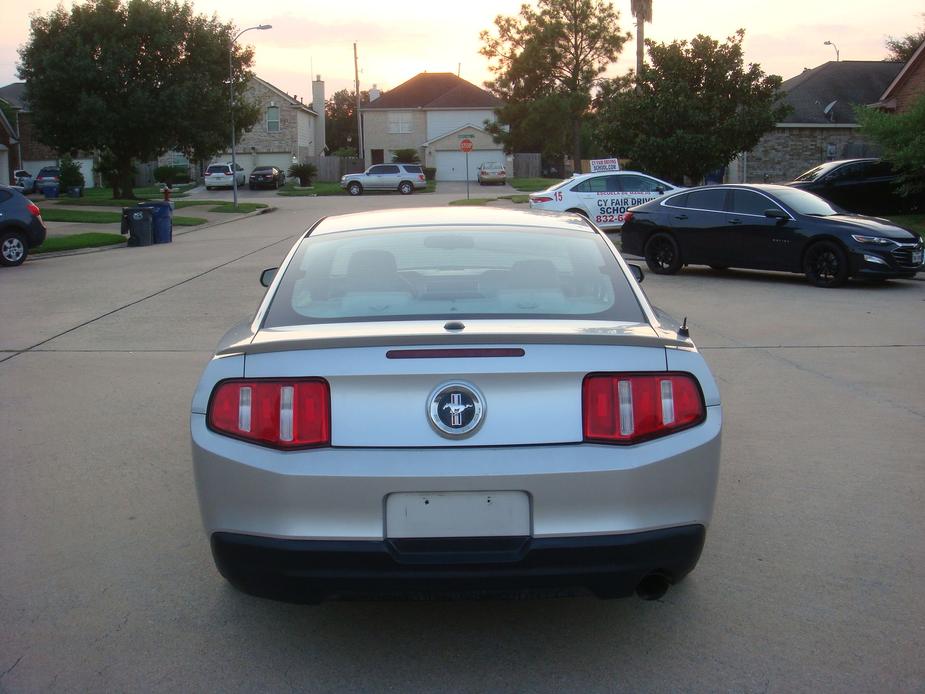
(455, 401)
(601, 197)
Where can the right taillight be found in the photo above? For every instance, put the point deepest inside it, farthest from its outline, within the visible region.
(541, 198)
(280, 413)
(625, 408)
(33, 209)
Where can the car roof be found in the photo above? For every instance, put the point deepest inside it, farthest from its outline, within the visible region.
(581, 177)
(430, 217)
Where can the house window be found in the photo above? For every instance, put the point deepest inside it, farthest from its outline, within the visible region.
(399, 122)
(272, 119)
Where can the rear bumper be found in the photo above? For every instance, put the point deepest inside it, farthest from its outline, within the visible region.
(314, 570)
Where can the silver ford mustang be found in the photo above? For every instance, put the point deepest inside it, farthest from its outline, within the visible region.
(454, 401)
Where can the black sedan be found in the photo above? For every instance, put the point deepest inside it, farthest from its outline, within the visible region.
(768, 227)
(266, 177)
(866, 186)
(21, 226)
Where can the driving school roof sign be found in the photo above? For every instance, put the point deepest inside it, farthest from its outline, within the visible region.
(605, 165)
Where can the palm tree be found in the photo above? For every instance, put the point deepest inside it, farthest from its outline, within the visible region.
(642, 11)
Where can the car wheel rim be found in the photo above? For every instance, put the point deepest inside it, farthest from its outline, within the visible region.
(13, 250)
(663, 254)
(825, 265)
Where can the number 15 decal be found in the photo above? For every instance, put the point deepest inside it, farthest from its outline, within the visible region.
(558, 196)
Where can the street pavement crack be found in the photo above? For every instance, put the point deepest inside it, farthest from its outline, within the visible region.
(15, 353)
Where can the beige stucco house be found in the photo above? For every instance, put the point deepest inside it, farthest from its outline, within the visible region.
(431, 113)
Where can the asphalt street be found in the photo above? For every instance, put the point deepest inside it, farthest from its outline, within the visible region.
(810, 580)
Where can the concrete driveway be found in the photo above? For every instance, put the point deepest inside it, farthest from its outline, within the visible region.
(810, 579)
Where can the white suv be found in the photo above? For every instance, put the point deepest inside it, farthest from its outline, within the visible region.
(219, 176)
(405, 178)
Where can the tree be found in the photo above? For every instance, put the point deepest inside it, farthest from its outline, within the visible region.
(900, 49)
(901, 138)
(642, 11)
(341, 119)
(133, 80)
(406, 156)
(693, 109)
(546, 62)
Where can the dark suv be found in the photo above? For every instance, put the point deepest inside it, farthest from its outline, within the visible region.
(21, 226)
(865, 186)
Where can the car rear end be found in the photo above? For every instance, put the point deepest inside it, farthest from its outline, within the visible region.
(415, 174)
(219, 176)
(21, 226)
(263, 178)
(361, 437)
(48, 176)
(492, 173)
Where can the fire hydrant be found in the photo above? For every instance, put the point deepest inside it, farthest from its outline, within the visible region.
(166, 193)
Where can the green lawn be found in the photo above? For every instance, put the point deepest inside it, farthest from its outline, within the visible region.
(472, 202)
(91, 239)
(915, 222)
(50, 214)
(320, 188)
(243, 207)
(531, 185)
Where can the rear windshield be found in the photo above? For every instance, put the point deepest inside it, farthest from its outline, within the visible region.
(218, 168)
(263, 170)
(505, 272)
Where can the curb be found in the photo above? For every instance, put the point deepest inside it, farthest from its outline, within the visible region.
(114, 246)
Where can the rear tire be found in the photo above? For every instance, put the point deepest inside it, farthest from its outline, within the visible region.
(13, 249)
(355, 188)
(405, 188)
(826, 264)
(662, 254)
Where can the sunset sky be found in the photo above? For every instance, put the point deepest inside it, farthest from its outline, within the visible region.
(398, 40)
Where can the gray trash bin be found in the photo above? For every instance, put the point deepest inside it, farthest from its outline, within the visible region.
(141, 227)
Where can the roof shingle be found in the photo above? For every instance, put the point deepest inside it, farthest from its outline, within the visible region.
(849, 83)
(435, 90)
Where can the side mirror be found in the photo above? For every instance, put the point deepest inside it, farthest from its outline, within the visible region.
(776, 213)
(267, 276)
(660, 190)
(637, 273)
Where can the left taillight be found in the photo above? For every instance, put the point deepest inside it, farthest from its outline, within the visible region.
(626, 408)
(33, 209)
(280, 413)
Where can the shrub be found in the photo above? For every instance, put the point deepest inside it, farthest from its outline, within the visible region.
(345, 152)
(171, 174)
(406, 156)
(71, 175)
(305, 172)
(430, 173)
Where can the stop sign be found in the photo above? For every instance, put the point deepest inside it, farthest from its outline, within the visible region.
(465, 145)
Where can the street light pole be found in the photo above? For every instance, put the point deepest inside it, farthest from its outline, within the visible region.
(234, 161)
(837, 54)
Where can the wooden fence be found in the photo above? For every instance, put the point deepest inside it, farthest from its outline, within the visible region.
(332, 168)
(527, 165)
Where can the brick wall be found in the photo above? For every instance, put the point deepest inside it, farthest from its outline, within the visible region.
(785, 153)
(287, 139)
(912, 88)
(32, 149)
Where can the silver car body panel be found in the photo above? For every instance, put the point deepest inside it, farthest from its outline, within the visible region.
(383, 444)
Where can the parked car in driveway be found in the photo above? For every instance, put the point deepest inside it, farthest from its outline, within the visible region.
(603, 198)
(21, 226)
(769, 227)
(405, 178)
(492, 172)
(47, 176)
(219, 176)
(865, 186)
(266, 177)
(453, 400)
(24, 180)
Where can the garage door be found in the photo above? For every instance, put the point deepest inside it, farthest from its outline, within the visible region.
(451, 166)
(4, 166)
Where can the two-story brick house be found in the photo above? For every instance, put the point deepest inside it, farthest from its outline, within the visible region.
(431, 113)
(288, 128)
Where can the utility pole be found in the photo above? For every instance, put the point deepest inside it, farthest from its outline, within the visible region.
(356, 87)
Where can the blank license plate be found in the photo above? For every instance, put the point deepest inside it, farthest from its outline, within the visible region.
(457, 514)
(917, 257)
